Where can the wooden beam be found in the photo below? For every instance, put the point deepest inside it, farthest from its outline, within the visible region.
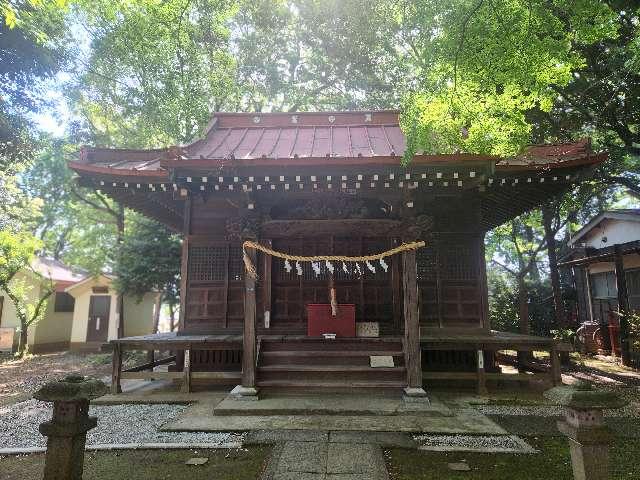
(302, 228)
(411, 320)
(152, 375)
(151, 364)
(249, 329)
(623, 305)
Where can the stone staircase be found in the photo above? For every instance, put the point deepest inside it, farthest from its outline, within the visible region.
(340, 364)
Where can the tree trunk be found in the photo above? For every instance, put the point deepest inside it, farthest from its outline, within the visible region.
(554, 272)
(156, 312)
(172, 317)
(23, 339)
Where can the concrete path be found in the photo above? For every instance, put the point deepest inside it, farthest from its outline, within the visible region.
(319, 458)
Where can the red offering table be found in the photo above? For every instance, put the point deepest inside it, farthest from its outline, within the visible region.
(321, 321)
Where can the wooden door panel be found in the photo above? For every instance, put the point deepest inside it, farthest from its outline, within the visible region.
(98, 322)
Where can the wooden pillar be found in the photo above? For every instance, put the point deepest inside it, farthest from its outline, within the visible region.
(116, 370)
(184, 265)
(482, 377)
(414, 388)
(623, 305)
(249, 330)
(396, 287)
(186, 370)
(556, 372)
(266, 287)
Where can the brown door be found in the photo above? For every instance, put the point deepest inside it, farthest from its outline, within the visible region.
(98, 327)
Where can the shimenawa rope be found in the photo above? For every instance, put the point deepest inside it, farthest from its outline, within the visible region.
(251, 269)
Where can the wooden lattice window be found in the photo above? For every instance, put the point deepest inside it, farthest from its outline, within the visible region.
(215, 295)
(426, 263)
(207, 264)
(458, 261)
(236, 265)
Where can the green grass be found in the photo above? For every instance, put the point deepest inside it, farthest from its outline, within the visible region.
(243, 464)
(553, 463)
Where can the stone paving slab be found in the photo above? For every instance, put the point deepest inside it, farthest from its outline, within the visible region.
(309, 457)
(326, 461)
(298, 476)
(351, 476)
(383, 439)
(194, 419)
(352, 458)
(269, 437)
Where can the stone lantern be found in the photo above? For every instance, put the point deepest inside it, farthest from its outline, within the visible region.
(66, 432)
(589, 436)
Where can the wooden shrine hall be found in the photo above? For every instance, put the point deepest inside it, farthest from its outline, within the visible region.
(325, 185)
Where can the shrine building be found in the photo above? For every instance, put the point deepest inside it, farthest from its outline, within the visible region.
(314, 259)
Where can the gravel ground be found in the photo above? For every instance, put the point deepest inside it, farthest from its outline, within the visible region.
(506, 443)
(116, 424)
(630, 410)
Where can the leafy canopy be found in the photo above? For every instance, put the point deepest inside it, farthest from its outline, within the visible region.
(487, 63)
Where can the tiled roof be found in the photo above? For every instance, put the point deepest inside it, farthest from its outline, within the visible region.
(58, 272)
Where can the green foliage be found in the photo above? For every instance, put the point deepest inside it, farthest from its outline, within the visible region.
(318, 54)
(149, 260)
(156, 69)
(564, 334)
(33, 48)
(76, 225)
(17, 249)
(26, 288)
(503, 311)
(489, 64)
(634, 331)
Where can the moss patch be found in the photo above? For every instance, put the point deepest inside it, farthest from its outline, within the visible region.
(243, 464)
(554, 462)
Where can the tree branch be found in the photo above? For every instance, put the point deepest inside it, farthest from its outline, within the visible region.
(508, 269)
(462, 38)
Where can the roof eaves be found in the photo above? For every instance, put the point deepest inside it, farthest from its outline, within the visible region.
(595, 221)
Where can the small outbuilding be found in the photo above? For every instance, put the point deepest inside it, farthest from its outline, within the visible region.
(80, 313)
(95, 317)
(604, 254)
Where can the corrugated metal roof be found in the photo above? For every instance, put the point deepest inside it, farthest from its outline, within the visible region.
(292, 142)
(288, 138)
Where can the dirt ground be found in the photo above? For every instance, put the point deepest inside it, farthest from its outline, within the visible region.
(242, 464)
(19, 378)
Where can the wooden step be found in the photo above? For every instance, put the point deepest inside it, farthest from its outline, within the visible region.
(330, 357)
(331, 353)
(328, 368)
(330, 345)
(321, 373)
(331, 384)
